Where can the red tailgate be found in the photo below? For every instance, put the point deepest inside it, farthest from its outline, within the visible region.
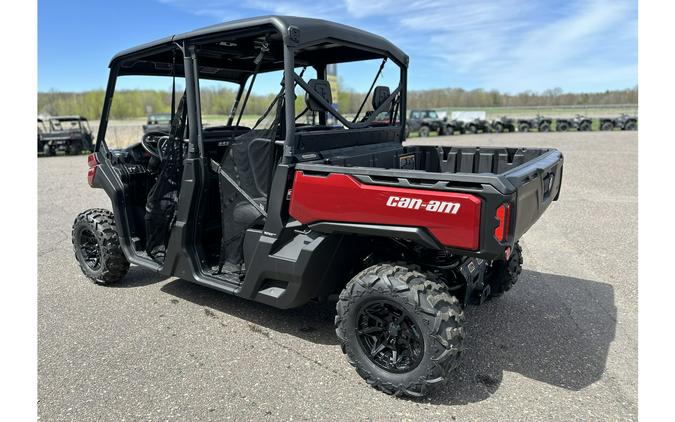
(453, 218)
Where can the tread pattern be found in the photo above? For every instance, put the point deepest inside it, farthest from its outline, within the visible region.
(114, 265)
(503, 275)
(430, 302)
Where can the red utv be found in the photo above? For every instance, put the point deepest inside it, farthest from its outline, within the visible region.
(284, 213)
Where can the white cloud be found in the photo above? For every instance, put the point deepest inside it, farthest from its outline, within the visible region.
(508, 45)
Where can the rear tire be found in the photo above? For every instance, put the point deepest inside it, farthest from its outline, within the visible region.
(97, 246)
(562, 127)
(524, 128)
(544, 127)
(48, 151)
(502, 274)
(607, 126)
(472, 129)
(424, 131)
(74, 149)
(585, 127)
(449, 131)
(401, 331)
(499, 128)
(631, 126)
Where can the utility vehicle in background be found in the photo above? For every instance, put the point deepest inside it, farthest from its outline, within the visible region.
(539, 122)
(160, 122)
(70, 134)
(477, 125)
(453, 126)
(579, 122)
(623, 122)
(424, 121)
(503, 124)
(285, 213)
(42, 128)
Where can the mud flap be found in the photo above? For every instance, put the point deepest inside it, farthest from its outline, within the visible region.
(477, 290)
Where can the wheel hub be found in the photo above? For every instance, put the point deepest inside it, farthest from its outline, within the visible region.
(90, 250)
(389, 336)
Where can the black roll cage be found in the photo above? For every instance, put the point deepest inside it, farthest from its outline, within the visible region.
(189, 47)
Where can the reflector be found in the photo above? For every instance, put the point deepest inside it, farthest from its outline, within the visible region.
(503, 215)
(90, 175)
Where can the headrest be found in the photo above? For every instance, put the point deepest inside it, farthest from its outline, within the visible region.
(380, 95)
(322, 87)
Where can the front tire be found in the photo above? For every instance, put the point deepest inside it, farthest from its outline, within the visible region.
(499, 128)
(97, 246)
(607, 126)
(544, 127)
(48, 151)
(562, 127)
(424, 131)
(524, 128)
(401, 331)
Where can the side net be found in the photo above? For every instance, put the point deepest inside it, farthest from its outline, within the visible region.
(246, 171)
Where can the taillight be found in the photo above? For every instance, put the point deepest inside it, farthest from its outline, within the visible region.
(504, 216)
(92, 161)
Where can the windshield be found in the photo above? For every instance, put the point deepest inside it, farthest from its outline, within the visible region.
(159, 118)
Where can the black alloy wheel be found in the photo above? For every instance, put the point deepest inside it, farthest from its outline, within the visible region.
(389, 336)
(89, 249)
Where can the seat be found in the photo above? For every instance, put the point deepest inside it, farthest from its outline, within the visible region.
(249, 163)
(380, 95)
(322, 87)
(244, 216)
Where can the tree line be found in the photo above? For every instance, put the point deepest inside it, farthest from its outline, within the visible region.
(218, 101)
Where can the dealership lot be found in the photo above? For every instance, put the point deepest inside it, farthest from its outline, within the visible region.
(561, 344)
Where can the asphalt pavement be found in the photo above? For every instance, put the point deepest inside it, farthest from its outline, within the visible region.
(561, 345)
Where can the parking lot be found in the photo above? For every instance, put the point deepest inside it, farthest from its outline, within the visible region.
(562, 344)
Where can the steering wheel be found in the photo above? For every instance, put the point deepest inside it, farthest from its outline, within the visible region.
(150, 142)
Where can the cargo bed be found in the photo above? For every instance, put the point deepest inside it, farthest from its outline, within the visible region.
(526, 180)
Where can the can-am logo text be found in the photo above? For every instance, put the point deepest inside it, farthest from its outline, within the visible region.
(416, 204)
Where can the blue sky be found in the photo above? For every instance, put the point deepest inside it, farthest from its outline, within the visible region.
(507, 45)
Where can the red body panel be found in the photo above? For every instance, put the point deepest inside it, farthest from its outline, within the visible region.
(453, 218)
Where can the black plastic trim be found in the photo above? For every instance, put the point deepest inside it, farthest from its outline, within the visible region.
(416, 234)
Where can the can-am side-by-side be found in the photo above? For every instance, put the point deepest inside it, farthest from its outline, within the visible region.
(285, 212)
